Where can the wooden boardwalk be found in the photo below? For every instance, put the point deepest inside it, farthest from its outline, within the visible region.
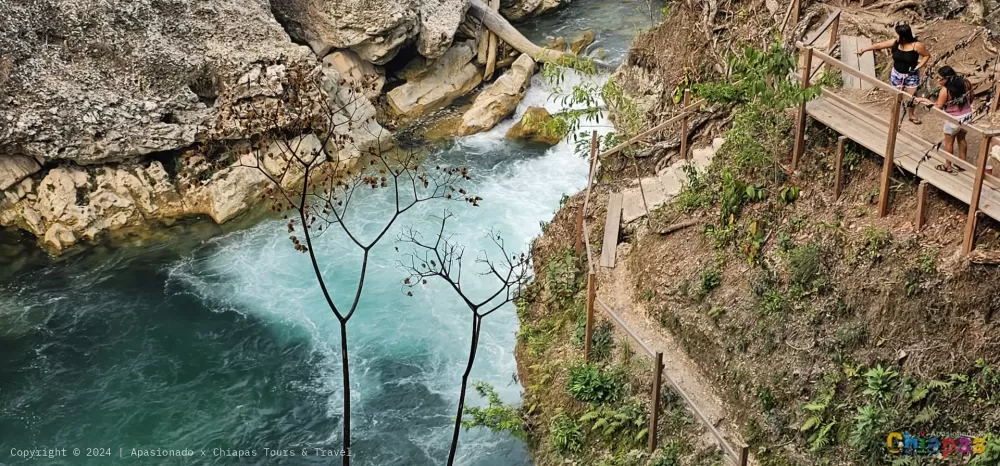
(849, 46)
(873, 134)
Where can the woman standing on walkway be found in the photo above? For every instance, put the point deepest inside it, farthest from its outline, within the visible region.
(908, 56)
(955, 98)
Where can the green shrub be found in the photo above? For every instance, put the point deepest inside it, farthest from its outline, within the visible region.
(627, 425)
(806, 267)
(710, 279)
(496, 416)
(591, 384)
(879, 381)
(565, 435)
(877, 242)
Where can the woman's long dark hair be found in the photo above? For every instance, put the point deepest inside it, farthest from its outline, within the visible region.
(905, 34)
(953, 82)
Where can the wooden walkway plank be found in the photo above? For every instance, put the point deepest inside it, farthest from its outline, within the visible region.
(910, 149)
(849, 55)
(611, 226)
(866, 62)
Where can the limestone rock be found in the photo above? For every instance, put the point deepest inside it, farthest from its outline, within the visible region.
(375, 29)
(581, 41)
(128, 77)
(14, 168)
(534, 127)
(500, 99)
(450, 76)
(557, 43)
(356, 71)
(521, 9)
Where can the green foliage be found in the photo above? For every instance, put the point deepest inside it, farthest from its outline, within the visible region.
(991, 456)
(915, 278)
(592, 384)
(830, 79)
(879, 381)
(601, 342)
(877, 242)
(711, 278)
(670, 454)
(627, 425)
(496, 416)
(561, 278)
(788, 194)
(565, 434)
(772, 303)
(759, 76)
(819, 418)
(867, 433)
(737, 194)
(759, 132)
(805, 267)
(696, 192)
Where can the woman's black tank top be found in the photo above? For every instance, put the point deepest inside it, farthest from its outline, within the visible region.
(904, 61)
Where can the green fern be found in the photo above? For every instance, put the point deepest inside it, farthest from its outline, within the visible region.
(821, 440)
(926, 415)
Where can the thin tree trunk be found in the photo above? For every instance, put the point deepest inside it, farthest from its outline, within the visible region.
(465, 386)
(347, 393)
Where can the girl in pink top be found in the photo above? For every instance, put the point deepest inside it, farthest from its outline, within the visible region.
(955, 98)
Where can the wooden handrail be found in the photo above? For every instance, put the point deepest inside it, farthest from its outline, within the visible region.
(823, 27)
(736, 458)
(992, 180)
(684, 112)
(887, 88)
(628, 330)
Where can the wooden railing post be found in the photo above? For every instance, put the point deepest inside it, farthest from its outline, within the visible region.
(996, 92)
(890, 150)
(834, 33)
(591, 296)
(969, 242)
(805, 64)
(744, 455)
(796, 11)
(654, 408)
(921, 205)
(838, 178)
(579, 231)
(684, 124)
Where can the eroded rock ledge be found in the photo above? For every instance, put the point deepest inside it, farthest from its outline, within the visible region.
(116, 115)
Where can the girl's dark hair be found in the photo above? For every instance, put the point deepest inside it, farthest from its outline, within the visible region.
(905, 34)
(953, 82)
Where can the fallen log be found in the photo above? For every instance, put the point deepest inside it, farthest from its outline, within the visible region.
(677, 226)
(509, 34)
(980, 256)
(491, 52)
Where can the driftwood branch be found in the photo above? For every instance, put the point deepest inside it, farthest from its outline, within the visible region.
(677, 227)
(509, 34)
(980, 256)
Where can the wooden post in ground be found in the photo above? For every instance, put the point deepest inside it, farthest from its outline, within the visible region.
(744, 455)
(996, 92)
(494, 42)
(684, 125)
(921, 205)
(890, 150)
(969, 242)
(805, 66)
(793, 20)
(654, 408)
(591, 296)
(834, 33)
(838, 178)
(579, 231)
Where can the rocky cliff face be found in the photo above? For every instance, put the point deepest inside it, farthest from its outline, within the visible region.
(114, 114)
(108, 109)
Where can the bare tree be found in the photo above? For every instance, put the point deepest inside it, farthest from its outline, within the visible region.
(442, 258)
(310, 134)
